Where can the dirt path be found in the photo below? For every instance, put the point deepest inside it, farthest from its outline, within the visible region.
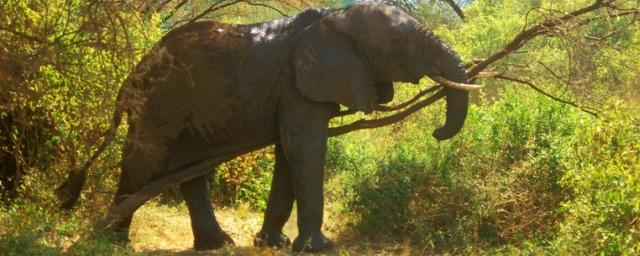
(158, 229)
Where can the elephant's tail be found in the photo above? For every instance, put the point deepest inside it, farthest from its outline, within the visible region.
(69, 192)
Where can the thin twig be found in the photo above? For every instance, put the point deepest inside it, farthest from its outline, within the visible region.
(269, 7)
(23, 35)
(526, 35)
(214, 7)
(410, 101)
(383, 108)
(174, 10)
(537, 89)
(553, 73)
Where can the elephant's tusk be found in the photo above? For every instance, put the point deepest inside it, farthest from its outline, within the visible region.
(451, 84)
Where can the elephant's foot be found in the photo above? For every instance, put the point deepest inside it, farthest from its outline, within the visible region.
(211, 242)
(264, 239)
(312, 243)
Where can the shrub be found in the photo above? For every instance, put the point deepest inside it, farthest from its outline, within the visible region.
(495, 183)
(246, 179)
(32, 224)
(603, 213)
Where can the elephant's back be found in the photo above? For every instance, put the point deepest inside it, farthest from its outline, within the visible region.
(192, 81)
(206, 36)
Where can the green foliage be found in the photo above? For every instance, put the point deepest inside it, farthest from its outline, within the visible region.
(24, 227)
(525, 167)
(603, 179)
(30, 229)
(578, 63)
(245, 179)
(497, 182)
(70, 57)
(33, 225)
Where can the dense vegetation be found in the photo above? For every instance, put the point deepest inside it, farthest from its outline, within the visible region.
(548, 161)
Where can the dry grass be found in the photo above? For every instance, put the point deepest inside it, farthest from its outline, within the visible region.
(166, 230)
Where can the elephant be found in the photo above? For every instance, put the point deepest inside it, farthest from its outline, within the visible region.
(207, 86)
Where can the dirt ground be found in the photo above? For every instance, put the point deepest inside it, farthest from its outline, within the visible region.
(165, 230)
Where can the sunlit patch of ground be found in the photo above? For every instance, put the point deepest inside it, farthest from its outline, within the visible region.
(159, 229)
(167, 229)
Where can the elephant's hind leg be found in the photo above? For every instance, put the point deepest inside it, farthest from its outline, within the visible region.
(121, 229)
(207, 233)
(143, 157)
(279, 205)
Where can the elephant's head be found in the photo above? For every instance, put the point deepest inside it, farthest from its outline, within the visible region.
(353, 55)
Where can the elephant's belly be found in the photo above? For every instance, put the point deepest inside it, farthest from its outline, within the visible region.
(191, 146)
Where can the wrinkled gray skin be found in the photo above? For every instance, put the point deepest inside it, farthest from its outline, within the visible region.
(207, 86)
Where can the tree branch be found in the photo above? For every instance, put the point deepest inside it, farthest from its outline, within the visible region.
(214, 7)
(456, 8)
(162, 5)
(269, 7)
(174, 10)
(615, 15)
(527, 34)
(23, 35)
(410, 101)
(396, 117)
(537, 89)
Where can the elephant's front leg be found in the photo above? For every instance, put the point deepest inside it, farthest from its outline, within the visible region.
(303, 135)
(279, 205)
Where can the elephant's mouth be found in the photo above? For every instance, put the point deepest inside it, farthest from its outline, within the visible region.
(409, 75)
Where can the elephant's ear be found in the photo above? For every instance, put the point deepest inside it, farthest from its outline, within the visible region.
(328, 68)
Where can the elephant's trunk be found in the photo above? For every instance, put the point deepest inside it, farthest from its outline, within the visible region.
(457, 105)
(450, 66)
